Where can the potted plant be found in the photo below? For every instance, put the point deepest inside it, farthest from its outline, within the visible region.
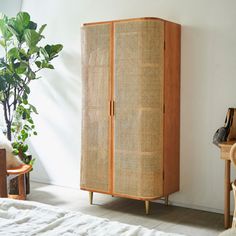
(22, 57)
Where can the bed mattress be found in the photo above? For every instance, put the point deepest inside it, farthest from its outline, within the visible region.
(27, 218)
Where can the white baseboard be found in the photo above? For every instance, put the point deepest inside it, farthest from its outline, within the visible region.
(50, 182)
(195, 207)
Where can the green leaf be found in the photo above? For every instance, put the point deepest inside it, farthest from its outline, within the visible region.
(32, 162)
(3, 16)
(25, 96)
(21, 69)
(31, 75)
(15, 144)
(38, 63)
(26, 127)
(31, 37)
(13, 53)
(16, 76)
(33, 50)
(44, 53)
(23, 19)
(31, 121)
(15, 152)
(24, 148)
(3, 83)
(32, 25)
(4, 31)
(34, 109)
(9, 79)
(24, 136)
(47, 65)
(13, 31)
(16, 28)
(23, 55)
(27, 89)
(3, 43)
(25, 102)
(42, 28)
(1, 96)
(53, 50)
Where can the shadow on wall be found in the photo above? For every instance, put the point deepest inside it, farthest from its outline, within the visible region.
(64, 93)
(58, 99)
(63, 88)
(38, 165)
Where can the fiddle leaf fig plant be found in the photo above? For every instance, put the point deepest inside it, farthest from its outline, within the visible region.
(22, 56)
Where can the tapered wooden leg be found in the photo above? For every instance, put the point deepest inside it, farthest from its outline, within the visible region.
(21, 187)
(91, 197)
(167, 200)
(147, 207)
(227, 195)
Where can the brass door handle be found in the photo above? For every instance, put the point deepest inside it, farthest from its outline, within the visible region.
(110, 108)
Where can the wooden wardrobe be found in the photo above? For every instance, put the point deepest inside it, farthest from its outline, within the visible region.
(131, 108)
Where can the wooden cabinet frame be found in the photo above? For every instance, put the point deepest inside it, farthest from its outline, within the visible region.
(171, 109)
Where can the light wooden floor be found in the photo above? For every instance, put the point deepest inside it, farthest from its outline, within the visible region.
(164, 218)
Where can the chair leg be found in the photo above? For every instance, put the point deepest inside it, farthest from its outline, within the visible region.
(21, 186)
(91, 197)
(167, 200)
(147, 207)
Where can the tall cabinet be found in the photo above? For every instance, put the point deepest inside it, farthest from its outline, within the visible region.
(131, 108)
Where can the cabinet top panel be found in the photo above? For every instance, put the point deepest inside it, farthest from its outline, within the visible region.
(126, 20)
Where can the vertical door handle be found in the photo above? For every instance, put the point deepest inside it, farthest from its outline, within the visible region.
(113, 108)
(110, 108)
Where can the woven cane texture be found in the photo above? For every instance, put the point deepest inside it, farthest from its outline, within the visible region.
(95, 124)
(138, 155)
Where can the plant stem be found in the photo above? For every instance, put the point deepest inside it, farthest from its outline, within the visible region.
(9, 130)
(7, 120)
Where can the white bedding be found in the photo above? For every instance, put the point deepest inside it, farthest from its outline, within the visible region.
(31, 218)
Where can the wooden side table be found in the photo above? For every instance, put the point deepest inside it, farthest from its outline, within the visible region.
(224, 155)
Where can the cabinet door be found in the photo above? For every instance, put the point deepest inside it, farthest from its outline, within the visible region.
(138, 144)
(96, 97)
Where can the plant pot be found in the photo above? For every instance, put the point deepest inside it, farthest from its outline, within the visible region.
(14, 185)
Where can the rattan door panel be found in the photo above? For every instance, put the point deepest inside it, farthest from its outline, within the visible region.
(138, 174)
(96, 119)
(138, 130)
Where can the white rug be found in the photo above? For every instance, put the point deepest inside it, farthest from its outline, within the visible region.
(23, 218)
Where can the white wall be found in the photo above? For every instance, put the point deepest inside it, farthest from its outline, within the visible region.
(208, 82)
(10, 7)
